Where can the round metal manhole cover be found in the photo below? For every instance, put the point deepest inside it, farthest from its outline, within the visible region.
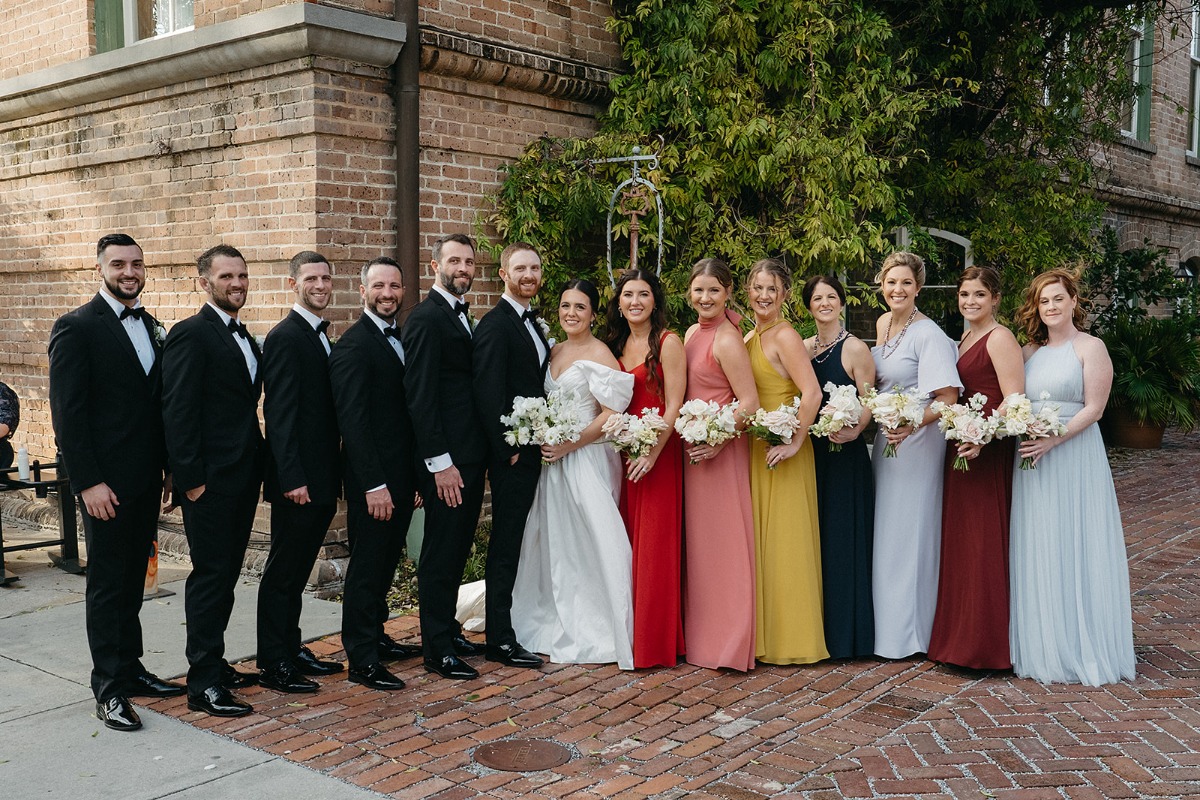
(522, 755)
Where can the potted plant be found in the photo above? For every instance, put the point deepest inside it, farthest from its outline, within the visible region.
(1156, 360)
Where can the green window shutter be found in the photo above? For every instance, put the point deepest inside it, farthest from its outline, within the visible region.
(1145, 80)
(110, 25)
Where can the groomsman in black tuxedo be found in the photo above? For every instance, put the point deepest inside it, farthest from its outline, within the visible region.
(211, 385)
(106, 407)
(367, 371)
(510, 360)
(302, 481)
(451, 444)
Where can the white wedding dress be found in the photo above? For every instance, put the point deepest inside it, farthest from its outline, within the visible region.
(573, 599)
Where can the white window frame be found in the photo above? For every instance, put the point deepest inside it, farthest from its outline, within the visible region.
(129, 13)
(1142, 46)
(1194, 126)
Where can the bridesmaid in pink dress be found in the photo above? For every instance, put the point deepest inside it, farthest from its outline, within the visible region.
(718, 600)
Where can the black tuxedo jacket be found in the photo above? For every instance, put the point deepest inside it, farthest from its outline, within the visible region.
(106, 411)
(210, 407)
(438, 383)
(506, 366)
(368, 391)
(302, 432)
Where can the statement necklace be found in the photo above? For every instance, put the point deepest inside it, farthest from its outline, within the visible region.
(889, 345)
(827, 347)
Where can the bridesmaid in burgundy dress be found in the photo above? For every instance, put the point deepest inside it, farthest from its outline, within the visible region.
(970, 627)
(652, 495)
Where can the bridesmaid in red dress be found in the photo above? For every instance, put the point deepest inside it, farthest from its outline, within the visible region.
(719, 590)
(652, 495)
(970, 626)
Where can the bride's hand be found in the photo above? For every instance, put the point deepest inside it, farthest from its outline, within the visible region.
(553, 453)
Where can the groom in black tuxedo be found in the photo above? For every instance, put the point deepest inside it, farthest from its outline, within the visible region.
(106, 407)
(302, 476)
(211, 385)
(367, 370)
(452, 447)
(510, 360)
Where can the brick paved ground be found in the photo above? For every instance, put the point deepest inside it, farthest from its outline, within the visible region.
(859, 729)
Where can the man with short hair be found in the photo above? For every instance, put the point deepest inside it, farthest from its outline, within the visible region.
(366, 370)
(510, 360)
(302, 482)
(211, 384)
(451, 443)
(106, 408)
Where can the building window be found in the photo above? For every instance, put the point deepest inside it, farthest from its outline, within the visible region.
(1139, 56)
(1194, 137)
(120, 23)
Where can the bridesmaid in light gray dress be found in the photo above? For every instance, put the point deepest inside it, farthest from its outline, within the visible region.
(913, 353)
(1071, 620)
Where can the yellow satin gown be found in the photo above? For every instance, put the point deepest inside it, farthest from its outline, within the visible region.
(788, 602)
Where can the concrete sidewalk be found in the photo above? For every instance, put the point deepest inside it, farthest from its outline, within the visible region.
(51, 744)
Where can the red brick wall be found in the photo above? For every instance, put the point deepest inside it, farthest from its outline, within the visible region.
(28, 47)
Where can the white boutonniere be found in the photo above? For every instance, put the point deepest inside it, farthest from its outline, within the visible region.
(541, 323)
(160, 333)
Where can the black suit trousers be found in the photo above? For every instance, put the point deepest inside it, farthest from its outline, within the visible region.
(118, 550)
(375, 550)
(449, 533)
(297, 533)
(513, 489)
(218, 529)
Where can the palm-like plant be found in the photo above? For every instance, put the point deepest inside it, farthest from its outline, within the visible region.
(1156, 370)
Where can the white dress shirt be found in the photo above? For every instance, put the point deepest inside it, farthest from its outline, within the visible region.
(241, 341)
(529, 326)
(138, 335)
(314, 320)
(453, 301)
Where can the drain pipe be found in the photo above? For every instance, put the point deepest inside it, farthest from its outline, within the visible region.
(407, 102)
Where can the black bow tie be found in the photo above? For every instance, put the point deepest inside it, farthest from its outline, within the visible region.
(238, 328)
(322, 326)
(530, 315)
(136, 313)
(461, 308)
(391, 332)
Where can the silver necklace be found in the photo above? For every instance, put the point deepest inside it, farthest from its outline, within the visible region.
(890, 345)
(826, 347)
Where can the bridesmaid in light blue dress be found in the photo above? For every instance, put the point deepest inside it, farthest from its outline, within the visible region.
(914, 353)
(1071, 620)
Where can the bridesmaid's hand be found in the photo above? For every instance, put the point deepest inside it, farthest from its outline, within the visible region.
(705, 452)
(969, 451)
(844, 435)
(898, 435)
(637, 469)
(1036, 448)
(782, 452)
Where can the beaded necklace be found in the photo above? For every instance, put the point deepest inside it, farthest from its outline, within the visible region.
(827, 347)
(889, 345)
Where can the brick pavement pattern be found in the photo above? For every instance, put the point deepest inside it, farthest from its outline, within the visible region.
(857, 729)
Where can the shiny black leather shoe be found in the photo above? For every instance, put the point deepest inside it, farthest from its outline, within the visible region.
(117, 714)
(286, 678)
(218, 702)
(375, 676)
(513, 655)
(233, 679)
(451, 667)
(464, 647)
(391, 650)
(309, 664)
(149, 685)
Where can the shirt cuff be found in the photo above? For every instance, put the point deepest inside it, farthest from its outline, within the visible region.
(439, 463)
(377, 488)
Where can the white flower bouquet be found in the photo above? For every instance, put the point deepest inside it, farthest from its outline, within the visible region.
(894, 409)
(550, 420)
(635, 435)
(966, 423)
(707, 422)
(1016, 417)
(843, 410)
(778, 426)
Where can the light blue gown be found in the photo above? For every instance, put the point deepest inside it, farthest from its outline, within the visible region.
(1071, 619)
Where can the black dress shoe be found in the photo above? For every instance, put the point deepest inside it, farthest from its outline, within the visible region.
(309, 664)
(391, 650)
(217, 701)
(375, 676)
(150, 685)
(116, 713)
(451, 667)
(233, 679)
(513, 655)
(465, 647)
(286, 678)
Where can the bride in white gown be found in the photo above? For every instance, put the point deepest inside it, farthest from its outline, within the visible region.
(573, 599)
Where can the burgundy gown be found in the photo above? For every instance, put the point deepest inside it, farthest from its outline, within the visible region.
(970, 627)
(653, 512)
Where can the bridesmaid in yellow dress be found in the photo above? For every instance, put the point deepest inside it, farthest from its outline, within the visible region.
(783, 484)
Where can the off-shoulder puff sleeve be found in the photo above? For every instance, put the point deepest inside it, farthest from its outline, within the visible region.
(937, 358)
(612, 388)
